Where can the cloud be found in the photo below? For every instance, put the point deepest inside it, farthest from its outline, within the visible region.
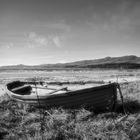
(35, 40)
(57, 41)
(6, 45)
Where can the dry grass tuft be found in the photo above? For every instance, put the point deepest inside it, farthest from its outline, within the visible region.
(26, 122)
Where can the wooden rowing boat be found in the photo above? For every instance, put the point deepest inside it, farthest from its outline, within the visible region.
(100, 98)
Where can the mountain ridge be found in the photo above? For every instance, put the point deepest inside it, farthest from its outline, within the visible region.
(130, 61)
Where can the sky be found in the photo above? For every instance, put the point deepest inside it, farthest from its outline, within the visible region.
(36, 32)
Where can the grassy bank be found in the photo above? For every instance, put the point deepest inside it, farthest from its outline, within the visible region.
(27, 122)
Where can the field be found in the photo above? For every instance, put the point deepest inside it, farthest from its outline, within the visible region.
(27, 122)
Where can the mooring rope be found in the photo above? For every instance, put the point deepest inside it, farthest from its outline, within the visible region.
(119, 88)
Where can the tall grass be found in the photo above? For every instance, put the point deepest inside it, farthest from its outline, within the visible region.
(18, 121)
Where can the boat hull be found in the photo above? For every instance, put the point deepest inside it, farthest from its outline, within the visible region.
(98, 98)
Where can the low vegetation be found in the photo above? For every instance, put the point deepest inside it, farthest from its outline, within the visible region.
(19, 121)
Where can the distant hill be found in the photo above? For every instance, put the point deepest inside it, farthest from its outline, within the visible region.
(125, 62)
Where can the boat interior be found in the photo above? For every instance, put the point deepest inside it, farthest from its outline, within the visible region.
(22, 88)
